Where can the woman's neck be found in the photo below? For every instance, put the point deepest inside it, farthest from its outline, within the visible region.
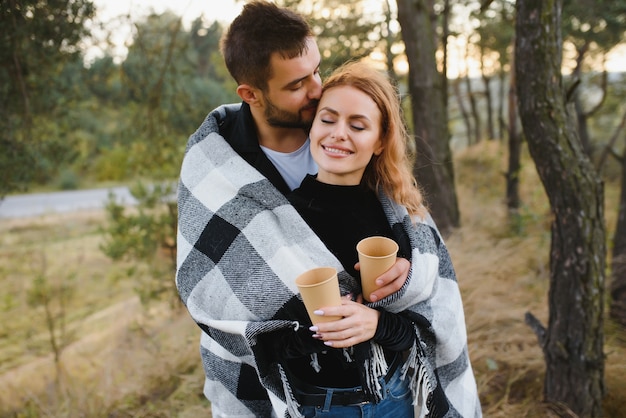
(338, 179)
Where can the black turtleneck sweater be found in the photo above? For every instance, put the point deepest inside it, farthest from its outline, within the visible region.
(341, 216)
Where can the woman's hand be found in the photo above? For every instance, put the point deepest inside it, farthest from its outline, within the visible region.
(390, 281)
(358, 324)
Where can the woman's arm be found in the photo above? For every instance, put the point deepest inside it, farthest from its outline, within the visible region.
(394, 331)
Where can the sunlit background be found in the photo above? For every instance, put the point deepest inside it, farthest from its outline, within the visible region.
(125, 345)
(118, 17)
(116, 20)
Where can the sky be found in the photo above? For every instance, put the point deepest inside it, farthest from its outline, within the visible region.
(223, 10)
(109, 12)
(112, 15)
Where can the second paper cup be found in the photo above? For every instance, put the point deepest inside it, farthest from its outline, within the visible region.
(376, 256)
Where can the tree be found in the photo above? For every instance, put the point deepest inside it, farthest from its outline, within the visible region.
(618, 259)
(593, 27)
(36, 39)
(471, 96)
(344, 30)
(573, 341)
(515, 153)
(618, 255)
(496, 32)
(391, 38)
(171, 87)
(465, 115)
(434, 167)
(144, 236)
(53, 296)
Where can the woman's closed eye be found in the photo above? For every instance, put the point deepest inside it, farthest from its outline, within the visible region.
(353, 126)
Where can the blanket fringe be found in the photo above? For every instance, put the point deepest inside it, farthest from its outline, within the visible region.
(315, 363)
(374, 368)
(347, 354)
(292, 404)
(419, 383)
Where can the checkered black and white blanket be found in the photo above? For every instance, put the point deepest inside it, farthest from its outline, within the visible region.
(240, 247)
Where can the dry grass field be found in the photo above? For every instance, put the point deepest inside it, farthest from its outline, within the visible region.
(121, 358)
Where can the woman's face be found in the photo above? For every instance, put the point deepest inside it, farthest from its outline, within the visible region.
(345, 134)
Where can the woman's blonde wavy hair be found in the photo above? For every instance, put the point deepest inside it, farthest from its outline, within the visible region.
(392, 169)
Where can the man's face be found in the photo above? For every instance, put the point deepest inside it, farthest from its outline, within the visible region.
(294, 90)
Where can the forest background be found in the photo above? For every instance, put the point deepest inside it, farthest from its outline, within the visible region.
(77, 343)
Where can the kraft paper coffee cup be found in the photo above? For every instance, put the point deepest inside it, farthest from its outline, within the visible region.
(376, 256)
(319, 288)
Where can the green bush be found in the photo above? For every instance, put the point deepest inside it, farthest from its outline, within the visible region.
(145, 234)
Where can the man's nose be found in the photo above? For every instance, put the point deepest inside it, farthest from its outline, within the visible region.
(315, 88)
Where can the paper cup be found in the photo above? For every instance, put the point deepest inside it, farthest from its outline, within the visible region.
(376, 256)
(319, 288)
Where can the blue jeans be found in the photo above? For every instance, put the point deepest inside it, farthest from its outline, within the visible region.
(397, 403)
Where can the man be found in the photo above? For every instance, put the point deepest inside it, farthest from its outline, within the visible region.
(240, 243)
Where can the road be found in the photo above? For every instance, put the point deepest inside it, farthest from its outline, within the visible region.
(36, 204)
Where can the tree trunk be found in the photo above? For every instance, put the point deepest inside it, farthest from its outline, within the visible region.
(501, 98)
(445, 29)
(608, 148)
(618, 261)
(581, 117)
(434, 169)
(474, 110)
(515, 146)
(389, 41)
(583, 128)
(618, 256)
(573, 342)
(464, 114)
(489, 104)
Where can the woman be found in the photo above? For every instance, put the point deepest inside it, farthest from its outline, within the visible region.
(355, 366)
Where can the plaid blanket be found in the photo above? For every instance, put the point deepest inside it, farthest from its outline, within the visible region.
(240, 247)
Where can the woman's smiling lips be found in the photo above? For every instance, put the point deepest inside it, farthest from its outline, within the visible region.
(336, 151)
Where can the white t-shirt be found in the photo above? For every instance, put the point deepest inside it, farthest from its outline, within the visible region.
(293, 166)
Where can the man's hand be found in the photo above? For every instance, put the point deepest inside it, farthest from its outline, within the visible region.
(390, 281)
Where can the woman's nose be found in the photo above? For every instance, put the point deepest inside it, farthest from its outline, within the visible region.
(339, 132)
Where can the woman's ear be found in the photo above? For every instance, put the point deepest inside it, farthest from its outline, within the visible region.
(248, 94)
(379, 150)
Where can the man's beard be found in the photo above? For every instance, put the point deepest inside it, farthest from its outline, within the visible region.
(283, 119)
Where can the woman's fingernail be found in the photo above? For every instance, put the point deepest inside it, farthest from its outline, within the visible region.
(318, 312)
(328, 343)
(313, 328)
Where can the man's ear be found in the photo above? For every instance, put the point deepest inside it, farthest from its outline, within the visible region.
(249, 94)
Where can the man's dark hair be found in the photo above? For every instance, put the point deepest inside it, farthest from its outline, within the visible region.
(261, 29)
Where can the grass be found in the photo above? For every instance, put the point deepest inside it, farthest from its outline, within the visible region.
(123, 359)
